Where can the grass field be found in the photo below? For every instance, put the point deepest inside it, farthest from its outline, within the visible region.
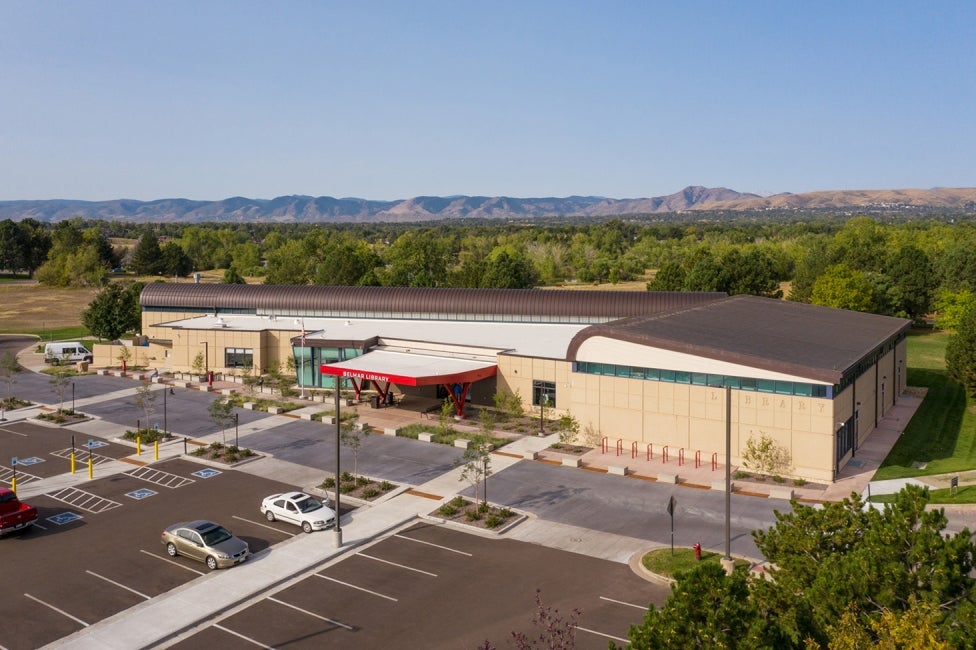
(942, 435)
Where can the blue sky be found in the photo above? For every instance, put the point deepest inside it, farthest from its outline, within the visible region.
(390, 100)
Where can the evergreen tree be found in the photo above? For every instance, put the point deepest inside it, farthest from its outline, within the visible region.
(147, 258)
(960, 354)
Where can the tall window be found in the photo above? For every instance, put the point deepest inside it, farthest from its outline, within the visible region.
(543, 393)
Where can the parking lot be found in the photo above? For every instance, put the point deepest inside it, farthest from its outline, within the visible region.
(96, 548)
(430, 586)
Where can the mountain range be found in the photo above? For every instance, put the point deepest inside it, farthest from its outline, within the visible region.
(324, 209)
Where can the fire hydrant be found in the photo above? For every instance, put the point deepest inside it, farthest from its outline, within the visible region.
(697, 548)
(210, 378)
(123, 365)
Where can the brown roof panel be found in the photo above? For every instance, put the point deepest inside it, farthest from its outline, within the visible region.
(561, 304)
(794, 338)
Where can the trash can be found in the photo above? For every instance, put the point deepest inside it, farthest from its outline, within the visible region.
(375, 401)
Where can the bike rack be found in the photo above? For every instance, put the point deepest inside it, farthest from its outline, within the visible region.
(620, 446)
(603, 445)
(664, 454)
(681, 456)
(698, 459)
(650, 451)
(714, 461)
(633, 449)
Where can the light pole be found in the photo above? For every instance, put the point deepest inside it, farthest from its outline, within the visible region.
(206, 358)
(338, 526)
(301, 378)
(729, 565)
(235, 431)
(72, 398)
(542, 411)
(165, 427)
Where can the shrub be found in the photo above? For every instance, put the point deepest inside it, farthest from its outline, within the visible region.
(777, 479)
(346, 488)
(370, 492)
(386, 486)
(505, 513)
(328, 483)
(346, 477)
(494, 521)
(741, 475)
(448, 510)
(799, 481)
(472, 514)
(458, 502)
(362, 480)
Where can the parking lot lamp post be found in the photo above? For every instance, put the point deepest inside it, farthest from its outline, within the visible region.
(338, 526)
(206, 358)
(165, 428)
(235, 431)
(72, 398)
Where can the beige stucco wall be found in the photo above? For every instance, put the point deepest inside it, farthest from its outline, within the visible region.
(693, 418)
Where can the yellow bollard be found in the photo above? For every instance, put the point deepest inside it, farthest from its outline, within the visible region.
(138, 446)
(13, 485)
(90, 473)
(72, 462)
(156, 450)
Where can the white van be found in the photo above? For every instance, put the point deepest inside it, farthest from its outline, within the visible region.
(68, 352)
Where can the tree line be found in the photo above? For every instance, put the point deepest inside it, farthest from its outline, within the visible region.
(906, 269)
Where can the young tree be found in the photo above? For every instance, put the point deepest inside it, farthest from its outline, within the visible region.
(9, 367)
(765, 456)
(352, 438)
(221, 412)
(145, 400)
(59, 384)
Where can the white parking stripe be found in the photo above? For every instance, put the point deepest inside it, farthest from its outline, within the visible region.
(166, 559)
(118, 584)
(308, 613)
(346, 584)
(59, 611)
(258, 523)
(241, 636)
(446, 548)
(620, 602)
(402, 566)
(605, 636)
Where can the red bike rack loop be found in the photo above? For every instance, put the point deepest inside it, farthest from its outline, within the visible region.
(620, 446)
(603, 445)
(714, 461)
(664, 454)
(633, 449)
(698, 459)
(681, 456)
(650, 451)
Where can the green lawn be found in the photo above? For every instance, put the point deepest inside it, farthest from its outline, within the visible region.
(942, 434)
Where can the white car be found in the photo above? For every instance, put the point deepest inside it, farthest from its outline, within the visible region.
(300, 509)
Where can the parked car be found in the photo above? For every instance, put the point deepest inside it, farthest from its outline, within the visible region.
(70, 352)
(300, 509)
(205, 541)
(14, 513)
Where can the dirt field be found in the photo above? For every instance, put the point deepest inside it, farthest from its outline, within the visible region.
(30, 307)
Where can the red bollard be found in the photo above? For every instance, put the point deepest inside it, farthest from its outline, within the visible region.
(697, 548)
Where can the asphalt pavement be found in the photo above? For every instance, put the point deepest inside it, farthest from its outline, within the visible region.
(589, 509)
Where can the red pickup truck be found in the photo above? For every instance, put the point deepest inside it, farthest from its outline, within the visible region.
(14, 515)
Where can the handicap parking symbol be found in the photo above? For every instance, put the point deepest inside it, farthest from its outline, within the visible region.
(33, 460)
(64, 518)
(206, 473)
(141, 493)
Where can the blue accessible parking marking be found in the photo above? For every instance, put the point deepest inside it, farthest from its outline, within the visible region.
(95, 444)
(64, 518)
(206, 473)
(33, 460)
(141, 493)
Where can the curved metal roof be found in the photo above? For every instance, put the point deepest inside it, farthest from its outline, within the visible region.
(290, 299)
